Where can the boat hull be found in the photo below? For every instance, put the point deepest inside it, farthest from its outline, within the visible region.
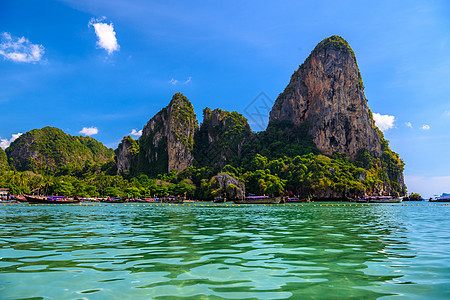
(305, 200)
(175, 200)
(275, 200)
(395, 200)
(114, 201)
(45, 200)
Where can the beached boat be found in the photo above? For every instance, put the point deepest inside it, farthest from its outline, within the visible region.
(259, 200)
(153, 200)
(50, 200)
(297, 200)
(172, 199)
(386, 199)
(138, 200)
(361, 200)
(113, 200)
(443, 198)
(17, 198)
(379, 199)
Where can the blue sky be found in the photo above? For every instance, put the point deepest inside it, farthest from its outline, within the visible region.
(109, 66)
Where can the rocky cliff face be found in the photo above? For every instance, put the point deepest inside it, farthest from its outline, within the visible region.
(49, 149)
(326, 93)
(3, 160)
(220, 138)
(126, 154)
(167, 140)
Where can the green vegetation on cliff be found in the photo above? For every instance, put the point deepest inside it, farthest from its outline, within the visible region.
(391, 163)
(168, 134)
(280, 139)
(3, 160)
(49, 150)
(152, 159)
(284, 158)
(134, 145)
(220, 138)
(183, 116)
(127, 153)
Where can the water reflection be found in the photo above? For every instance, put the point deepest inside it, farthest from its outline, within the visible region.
(186, 251)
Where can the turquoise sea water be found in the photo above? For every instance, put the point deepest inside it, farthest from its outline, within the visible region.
(225, 252)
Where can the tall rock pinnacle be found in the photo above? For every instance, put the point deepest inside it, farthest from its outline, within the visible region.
(168, 138)
(326, 92)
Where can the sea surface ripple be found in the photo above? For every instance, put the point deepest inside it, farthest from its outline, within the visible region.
(225, 252)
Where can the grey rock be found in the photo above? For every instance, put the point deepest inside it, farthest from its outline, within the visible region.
(327, 93)
(125, 154)
(233, 188)
(170, 135)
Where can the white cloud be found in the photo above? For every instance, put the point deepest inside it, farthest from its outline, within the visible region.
(89, 130)
(384, 122)
(20, 49)
(136, 133)
(4, 143)
(174, 81)
(408, 124)
(426, 127)
(105, 34)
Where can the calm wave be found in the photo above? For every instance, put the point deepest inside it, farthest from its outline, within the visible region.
(225, 252)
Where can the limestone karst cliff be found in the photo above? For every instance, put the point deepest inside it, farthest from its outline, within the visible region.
(167, 140)
(3, 160)
(327, 93)
(126, 154)
(220, 138)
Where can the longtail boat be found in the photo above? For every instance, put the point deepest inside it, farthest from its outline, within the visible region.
(114, 200)
(152, 200)
(18, 198)
(384, 199)
(50, 200)
(259, 200)
(297, 200)
(172, 199)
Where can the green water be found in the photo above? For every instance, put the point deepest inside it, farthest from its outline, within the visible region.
(225, 252)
